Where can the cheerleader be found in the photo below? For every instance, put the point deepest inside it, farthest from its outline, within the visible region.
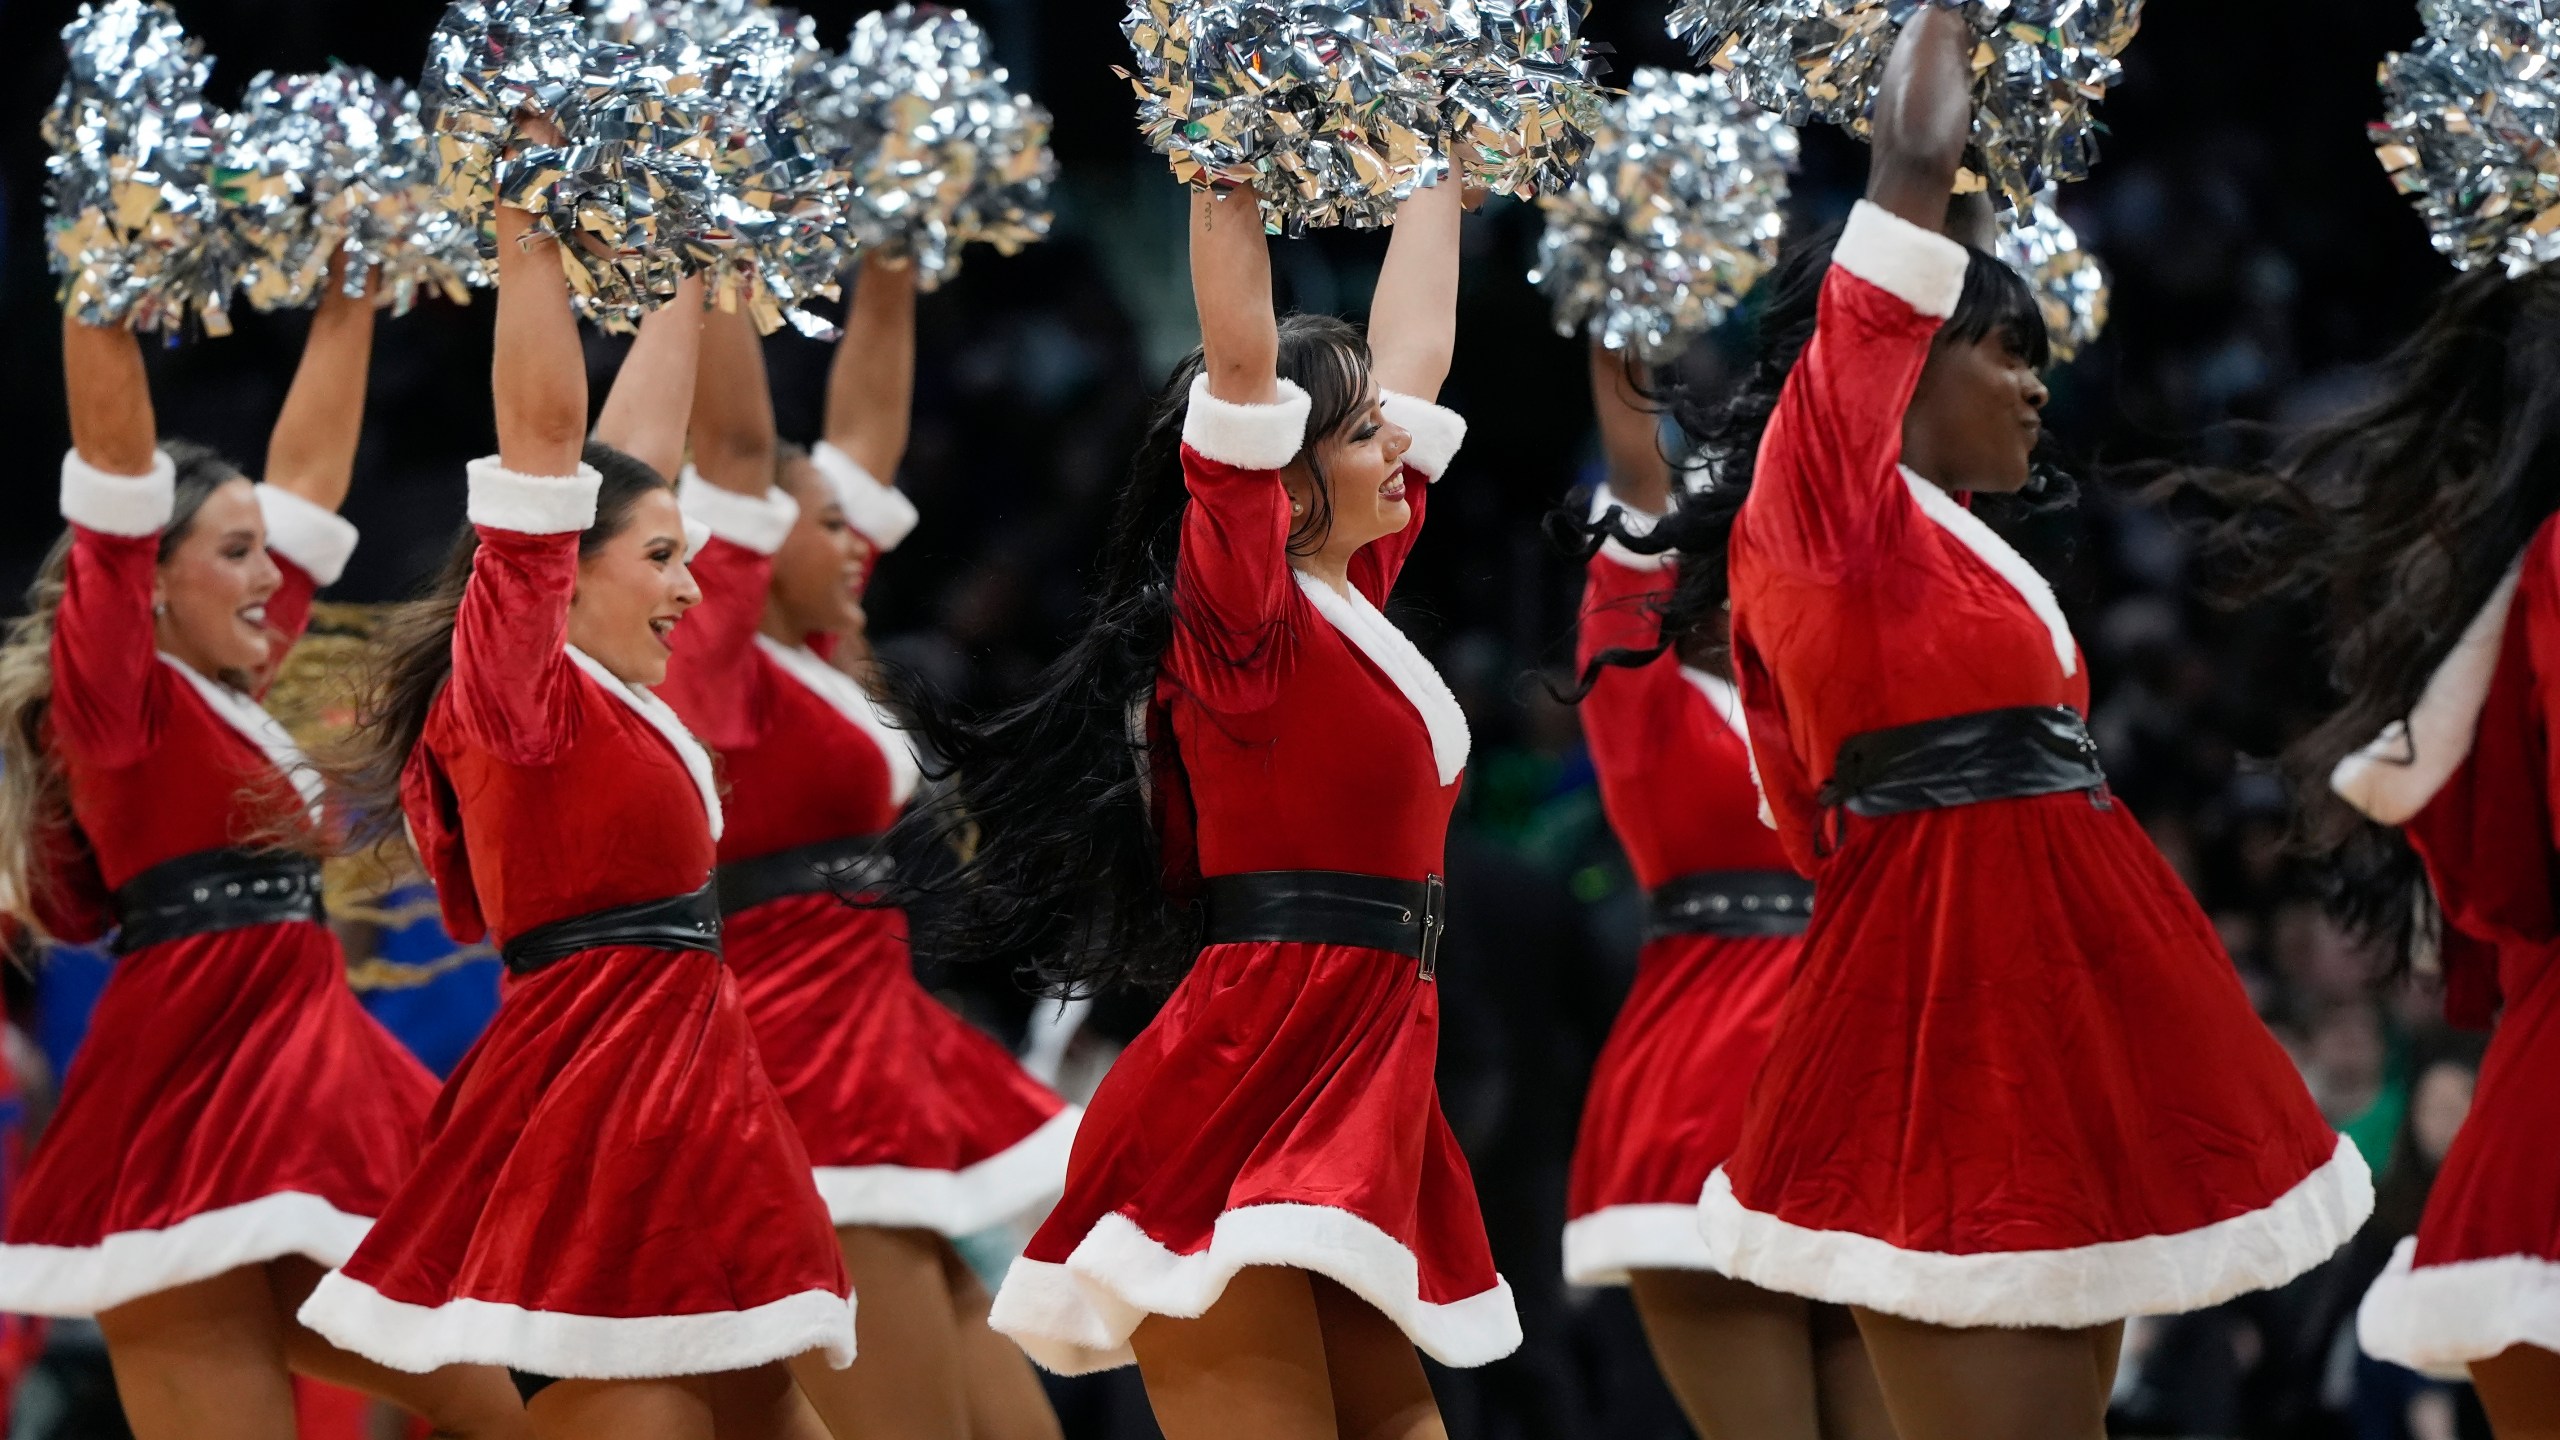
(1265, 1208)
(2423, 520)
(611, 1200)
(2016, 1092)
(234, 1120)
(922, 1129)
(1725, 916)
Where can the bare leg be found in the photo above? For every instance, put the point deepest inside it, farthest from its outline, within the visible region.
(906, 1383)
(1252, 1368)
(467, 1402)
(673, 1409)
(2520, 1388)
(203, 1361)
(1986, 1384)
(1739, 1359)
(1005, 1398)
(1852, 1402)
(1379, 1390)
(760, 1404)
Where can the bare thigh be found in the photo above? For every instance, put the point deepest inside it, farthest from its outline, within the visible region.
(467, 1402)
(2520, 1388)
(204, 1361)
(1739, 1359)
(1988, 1384)
(906, 1381)
(1852, 1405)
(1006, 1401)
(761, 1404)
(673, 1409)
(1251, 1368)
(1379, 1390)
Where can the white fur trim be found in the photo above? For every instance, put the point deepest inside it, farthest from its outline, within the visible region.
(317, 539)
(846, 697)
(418, 1338)
(2392, 778)
(1601, 1247)
(1248, 437)
(1387, 648)
(696, 535)
(244, 714)
(1636, 522)
(871, 506)
(1077, 1317)
(2058, 1289)
(1983, 541)
(1437, 431)
(503, 499)
(1726, 701)
(1921, 268)
(758, 522)
(129, 1264)
(1014, 1180)
(2440, 1318)
(129, 505)
(661, 718)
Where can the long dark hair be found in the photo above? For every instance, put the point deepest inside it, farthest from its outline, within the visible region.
(411, 655)
(1069, 807)
(2397, 519)
(1726, 431)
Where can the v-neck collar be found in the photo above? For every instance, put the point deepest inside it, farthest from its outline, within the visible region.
(1388, 649)
(244, 714)
(1969, 531)
(661, 718)
(846, 697)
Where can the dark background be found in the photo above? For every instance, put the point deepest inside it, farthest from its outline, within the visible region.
(2260, 258)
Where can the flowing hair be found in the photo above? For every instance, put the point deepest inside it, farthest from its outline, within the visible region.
(1068, 808)
(411, 656)
(39, 837)
(1727, 433)
(2398, 519)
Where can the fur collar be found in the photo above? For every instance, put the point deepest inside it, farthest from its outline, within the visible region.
(1970, 532)
(1389, 650)
(244, 714)
(846, 697)
(661, 718)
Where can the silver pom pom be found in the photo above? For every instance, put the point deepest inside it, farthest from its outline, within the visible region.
(2070, 285)
(1328, 108)
(782, 206)
(1676, 216)
(401, 236)
(286, 170)
(2039, 70)
(129, 190)
(2471, 130)
(1007, 203)
(1519, 99)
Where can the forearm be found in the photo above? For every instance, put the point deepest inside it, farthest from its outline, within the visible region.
(733, 431)
(538, 378)
(1413, 323)
(1630, 433)
(871, 383)
(646, 412)
(1923, 116)
(112, 425)
(312, 450)
(1231, 286)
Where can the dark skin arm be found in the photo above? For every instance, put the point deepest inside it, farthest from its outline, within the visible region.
(733, 429)
(1923, 116)
(871, 384)
(1630, 435)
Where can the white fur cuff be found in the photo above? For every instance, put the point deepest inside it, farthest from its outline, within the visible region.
(129, 505)
(884, 516)
(1921, 268)
(319, 540)
(1249, 437)
(1631, 520)
(756, 522)
(501, 499)
(1437, 431)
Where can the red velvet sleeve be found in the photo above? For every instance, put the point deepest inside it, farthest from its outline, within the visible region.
(711, 679)
(1785, 786)
(311, 546)
(105, 651)
(1628, 707)
(512, 681)
(1231, 584)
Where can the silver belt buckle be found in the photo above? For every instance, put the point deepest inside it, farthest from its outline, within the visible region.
(1435, 922)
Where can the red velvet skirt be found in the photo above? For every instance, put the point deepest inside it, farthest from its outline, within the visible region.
(2016, 1082)
(609, 1190)
(232, 1104)
(2483, 1272)
(911, 1115)
(1280, 1111)
(1665, 1104)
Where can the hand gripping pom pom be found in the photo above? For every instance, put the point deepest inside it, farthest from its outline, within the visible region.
(2471, 130)
(2039, 67)
(1676, 216)
(2070, 285)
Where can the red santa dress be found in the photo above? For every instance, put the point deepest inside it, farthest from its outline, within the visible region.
(1281, 1110)
(911, 1116)
(2471, 775)
(610, 1187)
(2016, 1081)
(232, 1103)
(1665, 1102)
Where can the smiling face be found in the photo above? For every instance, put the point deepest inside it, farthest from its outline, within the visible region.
(819, 572)
(1976, 416)
(632, 589)
(1360, 467)
(214, 583)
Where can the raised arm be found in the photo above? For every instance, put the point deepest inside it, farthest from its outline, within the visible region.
(1231, 286)
(1413, 323)
(117, 491)
(539, 377)
(112, 425)
(652, 399)
(311, 453)
(1630, 434)
(711, 679)
(1923, 116)
(871, 384)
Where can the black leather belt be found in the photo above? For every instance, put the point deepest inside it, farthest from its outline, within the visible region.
(1964, 760)
(837, 867)
(681, 922)
(214, 890)
(1732, 903)
(1329, 907)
